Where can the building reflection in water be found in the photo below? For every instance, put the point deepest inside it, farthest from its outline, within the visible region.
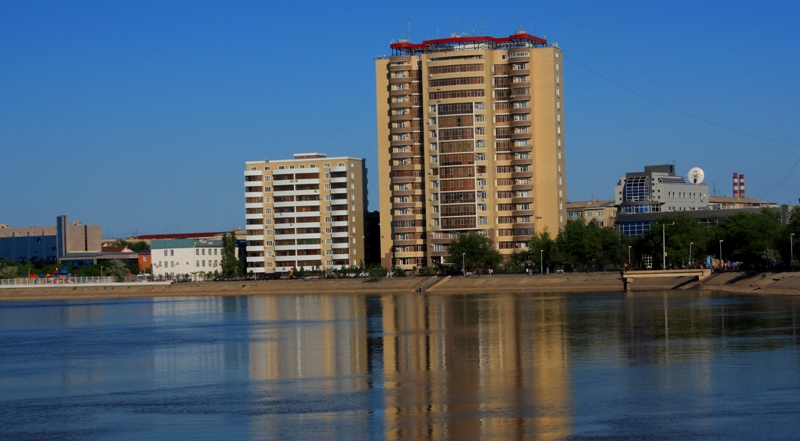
(441, 367)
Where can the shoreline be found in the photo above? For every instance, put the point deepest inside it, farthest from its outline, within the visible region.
(787, 283)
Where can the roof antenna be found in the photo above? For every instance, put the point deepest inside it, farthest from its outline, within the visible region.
(473, 29)
(409, 30)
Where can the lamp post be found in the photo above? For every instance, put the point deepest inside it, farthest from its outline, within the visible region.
(629, 254)
(791, 251)
(101, 273)
(720, 254)
(690, 254)
(463, 268)
(664, 245)
(541, 261)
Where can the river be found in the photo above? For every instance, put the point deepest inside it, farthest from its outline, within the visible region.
(669, 365)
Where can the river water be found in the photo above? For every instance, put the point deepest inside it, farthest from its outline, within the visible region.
(576, 366)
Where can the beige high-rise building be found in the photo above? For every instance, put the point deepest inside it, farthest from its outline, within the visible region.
(470, 138)
(307, 212)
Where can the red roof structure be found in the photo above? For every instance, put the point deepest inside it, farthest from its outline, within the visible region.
(520, 39)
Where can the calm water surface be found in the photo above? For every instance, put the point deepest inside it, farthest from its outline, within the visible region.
(656, 365)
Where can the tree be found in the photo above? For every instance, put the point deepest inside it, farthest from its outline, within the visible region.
(749, 238)
(542, 247)
(475, 250)
(8, 272)
(588, 246)
(117, 269)
(230, 263)
(679, 231)
(137, 246)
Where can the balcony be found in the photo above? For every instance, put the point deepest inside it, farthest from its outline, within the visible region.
(254, 227)
(252, 172)
(522, 123)
(338, 191)
(522, 199)
(254, 216)
(522, 161)
(308, 257)
(255, 258)
(402, 105)
(405, 117)
(400, 80)
(254, 248)
(520, 110)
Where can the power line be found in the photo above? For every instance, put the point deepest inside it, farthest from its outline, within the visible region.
(681, 111)
(616, 114)
(780, 180)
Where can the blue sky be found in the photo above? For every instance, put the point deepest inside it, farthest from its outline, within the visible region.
(139, 116)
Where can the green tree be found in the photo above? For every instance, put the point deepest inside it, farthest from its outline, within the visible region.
(136, 246)
(230, 262)
(589, 246)
(117, 269)
(475, 250)
(679, 231)
(749, 238)
(543, 252)
(787, 243)
(8, 272)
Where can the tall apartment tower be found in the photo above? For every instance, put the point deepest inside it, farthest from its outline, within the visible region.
(307, 212)
(470, 138)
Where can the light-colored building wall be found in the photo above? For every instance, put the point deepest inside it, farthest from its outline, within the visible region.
(470, 138)
(49, 243)
(185, 256)
(601, 211)
(307, 212)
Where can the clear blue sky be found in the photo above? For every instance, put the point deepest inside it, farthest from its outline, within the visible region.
(139, 116)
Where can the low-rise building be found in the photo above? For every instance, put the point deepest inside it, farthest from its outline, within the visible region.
(48, 244)
(195, 257)
(604, 212)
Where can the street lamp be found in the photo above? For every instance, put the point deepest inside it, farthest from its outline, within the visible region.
(101, 273)
(463, 268)
(629, 254)
(664, 245)
(541, 261)
(720, 254)
(791, 251)
(690, 254)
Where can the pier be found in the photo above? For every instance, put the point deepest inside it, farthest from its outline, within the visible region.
(629, 276)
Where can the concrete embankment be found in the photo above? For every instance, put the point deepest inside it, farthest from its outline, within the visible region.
(767, 283)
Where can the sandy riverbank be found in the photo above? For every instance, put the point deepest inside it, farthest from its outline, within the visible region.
(768, 283)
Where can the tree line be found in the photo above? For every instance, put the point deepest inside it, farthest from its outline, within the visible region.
(755, 241)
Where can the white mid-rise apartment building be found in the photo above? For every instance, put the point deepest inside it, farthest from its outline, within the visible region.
(307, 212)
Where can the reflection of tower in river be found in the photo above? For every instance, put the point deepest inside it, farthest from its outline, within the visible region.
(321, 340)
(321, 347)
(476, 367)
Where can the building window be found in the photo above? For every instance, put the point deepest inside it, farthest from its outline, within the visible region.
(267, 189)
